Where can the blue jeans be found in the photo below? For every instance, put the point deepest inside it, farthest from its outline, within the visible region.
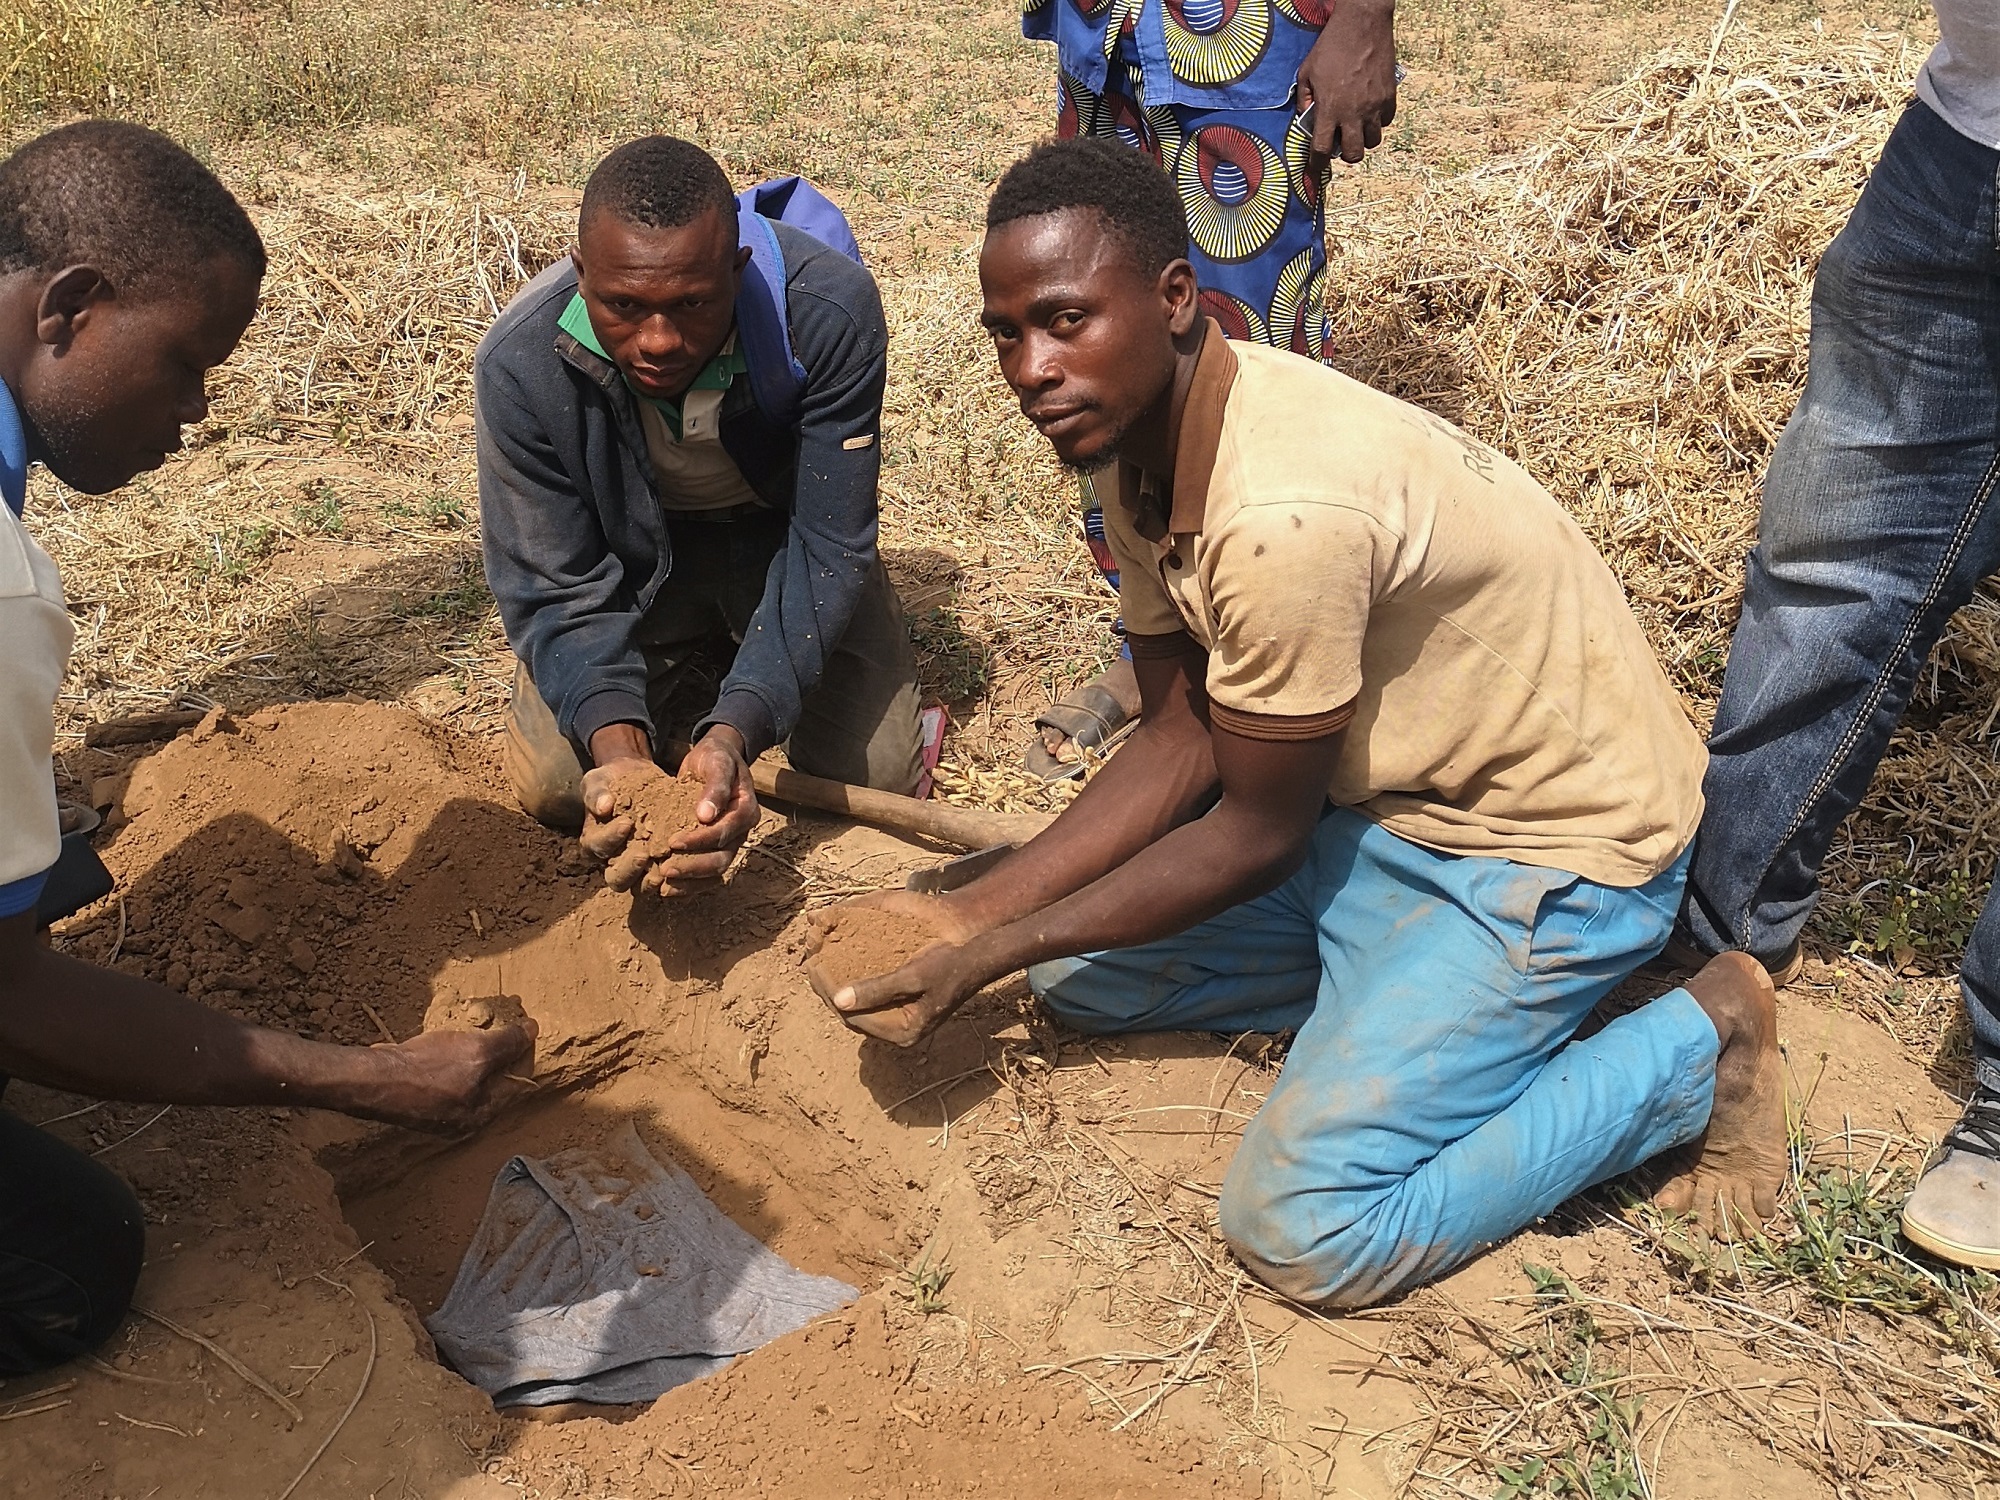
(1877, 524)
(1433, 1101)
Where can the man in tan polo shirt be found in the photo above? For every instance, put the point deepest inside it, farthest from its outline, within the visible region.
(1456, 791)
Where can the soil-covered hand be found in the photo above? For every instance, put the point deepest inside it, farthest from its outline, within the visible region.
(670, 834)
(450, 1082)
(609, 791)
(1348, 80)
(918, 941)
(724, 817)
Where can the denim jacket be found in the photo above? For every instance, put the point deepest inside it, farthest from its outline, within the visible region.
(574, 535)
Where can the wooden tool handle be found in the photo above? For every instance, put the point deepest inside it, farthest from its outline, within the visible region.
(967, 827)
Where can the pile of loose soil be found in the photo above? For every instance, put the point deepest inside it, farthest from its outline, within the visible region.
(861, 942)
(832, 1410)
(1030, 1213)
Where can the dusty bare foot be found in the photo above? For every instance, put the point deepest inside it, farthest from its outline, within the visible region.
(1739, 1161)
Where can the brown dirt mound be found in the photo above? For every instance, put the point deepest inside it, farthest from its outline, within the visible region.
(830, 1410)
(861, 942)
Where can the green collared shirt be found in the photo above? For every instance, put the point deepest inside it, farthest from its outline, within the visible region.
(717, 375)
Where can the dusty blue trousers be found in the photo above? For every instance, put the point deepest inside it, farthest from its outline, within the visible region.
(1433, 1101)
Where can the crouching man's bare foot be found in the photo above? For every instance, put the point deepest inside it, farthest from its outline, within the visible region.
(1739, 1162)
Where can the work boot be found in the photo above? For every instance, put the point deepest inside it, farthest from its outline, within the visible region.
(1955, 1211)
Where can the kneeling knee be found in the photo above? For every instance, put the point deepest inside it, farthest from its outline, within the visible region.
(65, 1301)
(1275, 1242)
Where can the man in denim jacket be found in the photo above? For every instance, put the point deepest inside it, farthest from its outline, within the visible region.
(679, 438)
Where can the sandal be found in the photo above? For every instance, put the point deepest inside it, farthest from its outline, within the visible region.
(1087, 717)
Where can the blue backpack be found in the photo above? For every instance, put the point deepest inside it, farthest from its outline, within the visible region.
(776, 377)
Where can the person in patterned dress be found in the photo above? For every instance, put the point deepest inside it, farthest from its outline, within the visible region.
(1244, 103)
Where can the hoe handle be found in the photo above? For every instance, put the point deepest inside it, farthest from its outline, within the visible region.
(967, 827)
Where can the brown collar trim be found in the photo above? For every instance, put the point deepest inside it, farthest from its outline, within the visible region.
(1194, 453)
(1201, 428)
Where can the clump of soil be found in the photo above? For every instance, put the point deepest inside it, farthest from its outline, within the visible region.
(861, 942)
(660, 807)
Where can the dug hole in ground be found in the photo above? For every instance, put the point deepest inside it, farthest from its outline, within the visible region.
(1045, 1307)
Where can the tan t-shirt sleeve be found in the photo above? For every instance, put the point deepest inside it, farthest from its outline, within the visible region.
(1142, 599)
(1290, 586)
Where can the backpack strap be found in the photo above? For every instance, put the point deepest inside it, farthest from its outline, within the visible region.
(794, 201)
(777, 379)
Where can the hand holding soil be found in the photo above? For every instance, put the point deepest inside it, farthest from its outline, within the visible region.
(633, 813)
(669, 834)
(890, 964)
(449, 1082)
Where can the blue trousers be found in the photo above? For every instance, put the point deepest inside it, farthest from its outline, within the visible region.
(1433, 1101)
(1877, 524)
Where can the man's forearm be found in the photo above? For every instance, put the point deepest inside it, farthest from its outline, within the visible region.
(74, 1026)
(1154, 783)
(1193, 873)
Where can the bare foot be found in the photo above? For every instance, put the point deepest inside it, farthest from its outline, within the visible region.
(1740, 1160)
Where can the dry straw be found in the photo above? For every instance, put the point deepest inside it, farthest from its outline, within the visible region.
(1624, 310)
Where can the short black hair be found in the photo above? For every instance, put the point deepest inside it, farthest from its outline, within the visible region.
(1124, 187)
(658, 181)
(121, 198)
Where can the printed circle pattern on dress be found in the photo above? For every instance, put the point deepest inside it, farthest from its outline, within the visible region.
(1238, 318)
(1215, 41)
(1298, 307)
(1311, 14)
(1122, 22)
(1298, 162)
(1076, 109)
(1234, 188)
(1167, 134)
(1120, 118)
(1090, 10)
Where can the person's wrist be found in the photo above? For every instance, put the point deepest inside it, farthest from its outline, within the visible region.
(729, 738)
(320, 1075)
(985, 957)
(615, 742)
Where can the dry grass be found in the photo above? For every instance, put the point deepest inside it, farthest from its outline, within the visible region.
(1624, 309)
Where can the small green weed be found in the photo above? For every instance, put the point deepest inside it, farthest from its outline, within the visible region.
(230, 556)
(1603, 1464)
(927, 1280)
(318, 510)
(441, 509)
(1906, 919)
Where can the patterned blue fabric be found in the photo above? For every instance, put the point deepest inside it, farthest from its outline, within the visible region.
(1200, 54)
(1256, 217)
(13, 453)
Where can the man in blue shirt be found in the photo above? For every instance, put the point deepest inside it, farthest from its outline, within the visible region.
(127, 273)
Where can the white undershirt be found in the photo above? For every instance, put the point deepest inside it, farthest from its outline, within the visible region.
(36, 628)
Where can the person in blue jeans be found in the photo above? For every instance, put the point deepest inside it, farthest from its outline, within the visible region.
(1456, 792)
(1879, 519)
